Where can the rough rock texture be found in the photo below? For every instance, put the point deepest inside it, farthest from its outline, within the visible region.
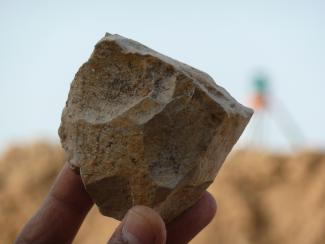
(145, 129)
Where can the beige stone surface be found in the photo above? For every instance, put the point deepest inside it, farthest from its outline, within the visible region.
(142, 128)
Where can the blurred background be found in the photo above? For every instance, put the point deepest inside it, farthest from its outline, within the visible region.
(269, 55)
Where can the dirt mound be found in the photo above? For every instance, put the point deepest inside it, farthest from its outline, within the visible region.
(263, 198)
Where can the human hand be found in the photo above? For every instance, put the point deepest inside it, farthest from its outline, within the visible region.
(67, 204)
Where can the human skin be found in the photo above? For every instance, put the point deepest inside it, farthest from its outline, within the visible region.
(59, 218)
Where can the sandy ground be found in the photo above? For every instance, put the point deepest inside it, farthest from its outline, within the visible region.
(262, 198)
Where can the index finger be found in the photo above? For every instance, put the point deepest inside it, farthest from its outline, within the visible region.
(62, 212)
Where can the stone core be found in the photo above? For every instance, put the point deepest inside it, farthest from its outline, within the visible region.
(144, 129)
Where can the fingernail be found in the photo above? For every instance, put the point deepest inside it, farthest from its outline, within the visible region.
(137, 228)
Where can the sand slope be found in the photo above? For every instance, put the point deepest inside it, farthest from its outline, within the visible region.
(262, 198)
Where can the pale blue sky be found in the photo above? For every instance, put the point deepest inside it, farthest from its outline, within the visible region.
(43, 43)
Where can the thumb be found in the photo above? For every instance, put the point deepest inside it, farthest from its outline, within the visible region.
(141, 225)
